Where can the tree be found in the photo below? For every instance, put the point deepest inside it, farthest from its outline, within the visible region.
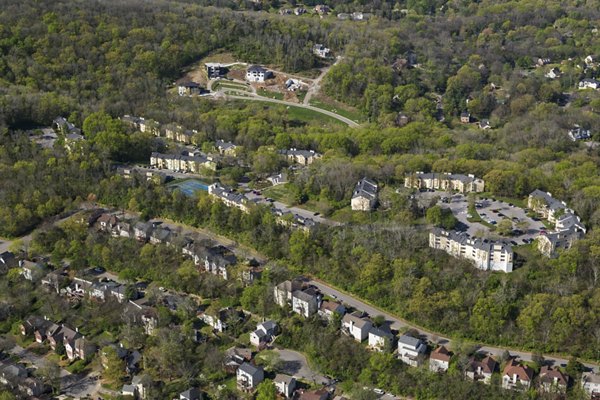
(266, 390)
(50, 375)
(115, 366)
(441, 217)
(504, 227)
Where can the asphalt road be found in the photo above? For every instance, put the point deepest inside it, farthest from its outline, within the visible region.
(345, 120)
(399, 324)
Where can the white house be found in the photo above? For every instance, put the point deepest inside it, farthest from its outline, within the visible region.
(329, 309)
(590, 382)
(249, 376)
(411, 350)
(263, 334)
(321, 51)
(256, 73)
(380, 339)
(589, 84)
(553, 380)
(285, 385)
(283, 292)
(305, 303)
(356, 327)
(516, 376)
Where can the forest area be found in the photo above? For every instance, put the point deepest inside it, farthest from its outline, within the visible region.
(94, 61)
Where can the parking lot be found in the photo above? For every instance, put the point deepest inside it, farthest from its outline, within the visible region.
(490, 210)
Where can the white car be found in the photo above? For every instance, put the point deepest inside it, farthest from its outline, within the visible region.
(379, 391)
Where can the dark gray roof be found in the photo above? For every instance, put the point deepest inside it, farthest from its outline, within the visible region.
(409, 341)
(250, 369)
(304, 296)
(225, 145)
(296, 152)
(257, 69)
(365, 188)
(550, 201)
(381, 332)
(196, 158)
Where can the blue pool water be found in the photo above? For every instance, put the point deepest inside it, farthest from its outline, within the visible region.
(190, 186)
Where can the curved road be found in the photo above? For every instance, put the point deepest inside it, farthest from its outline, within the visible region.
(345, 120)
(397, 323)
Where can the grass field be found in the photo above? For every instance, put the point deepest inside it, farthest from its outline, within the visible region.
(270, 94)
(303, 114)
(229, 85)
(341, 110)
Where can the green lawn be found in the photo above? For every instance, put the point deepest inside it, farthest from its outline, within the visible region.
(280, 193)
(353, 114)
(229, 85)
(306, 115)
(270, 94)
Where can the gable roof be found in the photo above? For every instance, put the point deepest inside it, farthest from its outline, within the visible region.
(360, 323)
(250, 369)
(410, 341)
(523, 372)
(441, 353)
(365, 188)
(549, 375)
(284, 378)
(381, 333)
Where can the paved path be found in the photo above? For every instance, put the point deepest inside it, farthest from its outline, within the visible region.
(345, 120)
(316, 84)
(398, 323)
(295, 364)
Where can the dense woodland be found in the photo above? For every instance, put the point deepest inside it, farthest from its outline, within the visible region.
(94, 61)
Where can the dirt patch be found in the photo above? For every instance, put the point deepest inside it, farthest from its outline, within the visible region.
(239, 74)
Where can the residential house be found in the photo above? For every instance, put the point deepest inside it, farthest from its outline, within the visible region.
(484, 124)
(7, 261)
(107, 222)
(300, 10)
(228, 196)
(278, 179)
(31, 387)
(589, 84)
(322, 9)
(444, 181)
(218, 260)
(541, 61)
(283, 292)
(285, 11)
(411, 350)
(62, 125)
(124, 229)
(306, 302)
(263, 334)
(192, 393)
(545, 205)
(219, 320)
(285, 385)
(189, 88)
(329, 309)
(149, 320)
(321, 51)
(72, 141)
(236, 356)
(251, 273)
(215, 70)
(360, 16)
(142, 231)
(256, 73)
(590, 383)
(578, 133)
(129, 390)
(481, 370)
(302, 157)
(356, 326)
(33, 271)
(465, 117)
(142, 384)
(553, 73)
(364, 196)
(486, 254)
(162, 235)
(226, 148)
(439, 359)
(249, 376)
(552, 380)
(402, 119)
(381, 339)
(516, 376)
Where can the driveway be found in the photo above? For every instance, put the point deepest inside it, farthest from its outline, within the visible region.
(397, 323)
(295, 364)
